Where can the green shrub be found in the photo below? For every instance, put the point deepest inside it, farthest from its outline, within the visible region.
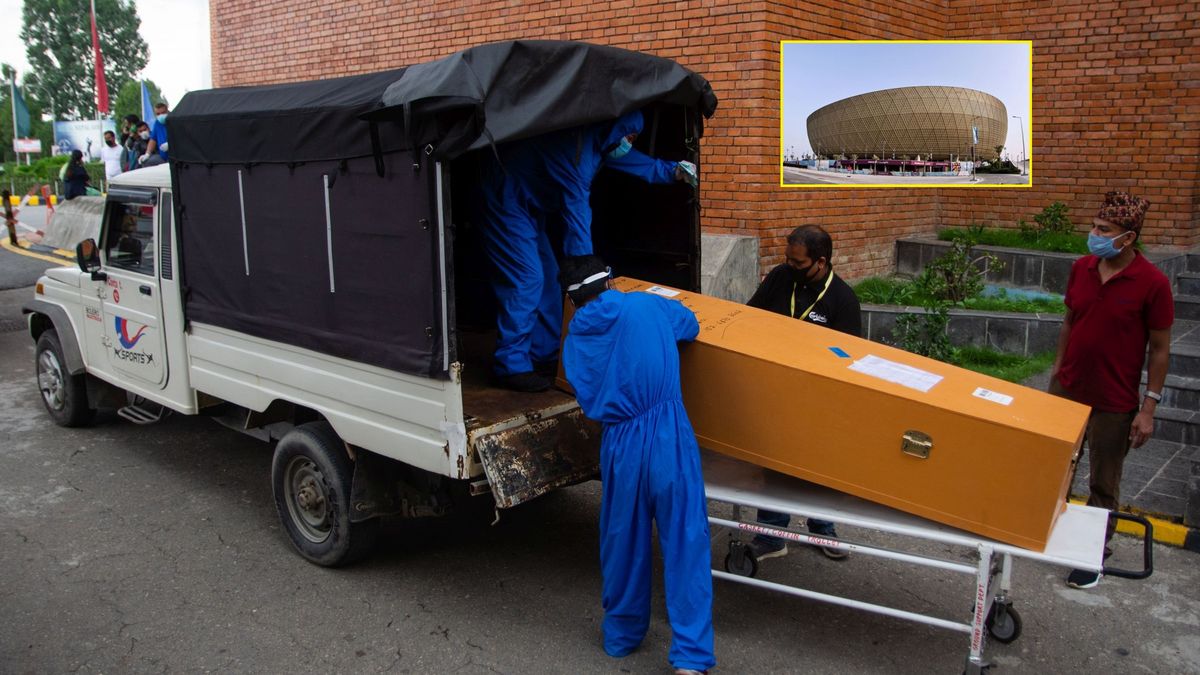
(1054, 219)
(956, 275)
(925, 333)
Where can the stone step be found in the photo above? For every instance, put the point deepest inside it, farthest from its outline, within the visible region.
(1185, 360)
(1187, 307)
(1155, 479)
(1179, 392)
(1193, 262)
(1177, 425)
(1187, 283)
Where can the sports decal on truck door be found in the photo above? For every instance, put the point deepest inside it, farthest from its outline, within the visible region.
(128, 334)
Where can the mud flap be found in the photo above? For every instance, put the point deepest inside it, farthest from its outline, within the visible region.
(523, 461)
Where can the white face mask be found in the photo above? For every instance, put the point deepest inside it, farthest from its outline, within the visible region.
(145, 135)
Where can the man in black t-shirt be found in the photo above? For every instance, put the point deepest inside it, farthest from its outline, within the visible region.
(805, 287)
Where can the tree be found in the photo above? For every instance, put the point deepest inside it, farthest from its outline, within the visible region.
(38, 128)
(58, 43)
(129, 99)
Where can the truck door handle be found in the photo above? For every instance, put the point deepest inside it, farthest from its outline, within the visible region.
(144, 289)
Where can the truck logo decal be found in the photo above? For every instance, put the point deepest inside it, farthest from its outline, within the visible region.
(122, 326)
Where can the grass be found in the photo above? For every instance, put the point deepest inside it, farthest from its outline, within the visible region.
(1009, 367)
(892, 291)
(1055, 242)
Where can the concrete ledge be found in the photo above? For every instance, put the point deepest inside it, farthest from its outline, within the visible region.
(729, 266)
(1008, 332)
(1025, 268)
(1035, 270)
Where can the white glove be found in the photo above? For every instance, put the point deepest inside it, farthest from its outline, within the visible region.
(686, 171)
(164, 147)
(142, 159)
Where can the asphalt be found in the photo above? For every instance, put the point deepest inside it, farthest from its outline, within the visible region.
(157, 549)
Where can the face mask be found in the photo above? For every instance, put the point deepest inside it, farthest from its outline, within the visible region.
(161, 118)
(621, 150)
(1102, 247)
(145, 135)
(801, 277)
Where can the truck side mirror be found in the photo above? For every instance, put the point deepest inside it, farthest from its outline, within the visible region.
(87, 255)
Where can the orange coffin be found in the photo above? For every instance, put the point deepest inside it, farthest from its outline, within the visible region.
(945, 443)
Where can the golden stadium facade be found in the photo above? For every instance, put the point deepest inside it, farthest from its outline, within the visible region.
(930, 122)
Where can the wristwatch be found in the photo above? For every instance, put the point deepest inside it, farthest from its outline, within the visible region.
(1154, 395)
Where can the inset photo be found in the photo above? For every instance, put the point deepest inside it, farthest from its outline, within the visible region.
(906, 114)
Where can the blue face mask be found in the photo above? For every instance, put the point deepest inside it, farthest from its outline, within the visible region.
(161, 118)
(1102, 247)
(621, 150)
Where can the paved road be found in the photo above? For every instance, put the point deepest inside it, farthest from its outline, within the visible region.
(21, 269)
(155, 549)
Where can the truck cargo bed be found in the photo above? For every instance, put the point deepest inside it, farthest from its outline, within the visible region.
(528, 443)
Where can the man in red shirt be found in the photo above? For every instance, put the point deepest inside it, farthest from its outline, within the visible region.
(1117, 303)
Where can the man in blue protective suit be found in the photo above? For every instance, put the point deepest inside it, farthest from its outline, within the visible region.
(531, 179)
(621, 357)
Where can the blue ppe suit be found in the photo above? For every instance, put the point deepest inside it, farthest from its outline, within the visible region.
(621, 357)
(545, 175)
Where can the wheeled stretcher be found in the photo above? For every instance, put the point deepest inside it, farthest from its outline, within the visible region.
(1077, 542)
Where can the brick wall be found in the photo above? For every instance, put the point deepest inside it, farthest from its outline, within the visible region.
(736, 46)
(1116, 104)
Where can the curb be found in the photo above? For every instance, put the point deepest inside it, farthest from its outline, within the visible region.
(58, 255)
(33, 201)
(1165, 531)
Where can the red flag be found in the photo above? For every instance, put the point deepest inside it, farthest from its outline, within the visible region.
(101, 86)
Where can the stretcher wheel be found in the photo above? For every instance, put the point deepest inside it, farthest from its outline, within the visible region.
(1003, 623)
(740, 561)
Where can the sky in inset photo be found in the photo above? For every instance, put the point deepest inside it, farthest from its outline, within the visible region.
(816, 74)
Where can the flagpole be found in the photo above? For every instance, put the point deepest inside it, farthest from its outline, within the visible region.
(96, 85)
(12, 94)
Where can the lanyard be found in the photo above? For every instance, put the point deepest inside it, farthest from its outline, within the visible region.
(828, 280)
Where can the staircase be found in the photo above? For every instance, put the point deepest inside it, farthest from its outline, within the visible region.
(1177, 418)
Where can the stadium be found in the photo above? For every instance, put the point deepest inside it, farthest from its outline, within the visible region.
(909, 129)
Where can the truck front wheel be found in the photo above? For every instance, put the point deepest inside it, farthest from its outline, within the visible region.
(311, 477)
(64, 394)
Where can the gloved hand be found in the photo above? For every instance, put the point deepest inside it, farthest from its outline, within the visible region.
(164, 147)
(686, 171)
(142, 159)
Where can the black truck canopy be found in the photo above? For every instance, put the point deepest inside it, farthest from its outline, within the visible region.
(507, 91)
(309, 212)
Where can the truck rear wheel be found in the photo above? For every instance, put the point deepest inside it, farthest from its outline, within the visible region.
(63, 394)
(311, 478)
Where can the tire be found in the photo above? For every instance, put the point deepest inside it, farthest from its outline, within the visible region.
(1003, 624)
(63, 394)
(311, 478)
(740, 561)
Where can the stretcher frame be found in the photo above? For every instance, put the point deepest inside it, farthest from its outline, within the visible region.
(1077, 542)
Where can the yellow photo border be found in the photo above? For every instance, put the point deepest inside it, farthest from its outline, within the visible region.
(907, 186)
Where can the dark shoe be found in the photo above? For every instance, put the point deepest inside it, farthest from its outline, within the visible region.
(547, 369)
(526, 382)
(829, 551)
(834, 553)
(1083, 579)
(762, 548)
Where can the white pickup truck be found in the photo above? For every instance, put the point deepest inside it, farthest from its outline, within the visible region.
(311, 277)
